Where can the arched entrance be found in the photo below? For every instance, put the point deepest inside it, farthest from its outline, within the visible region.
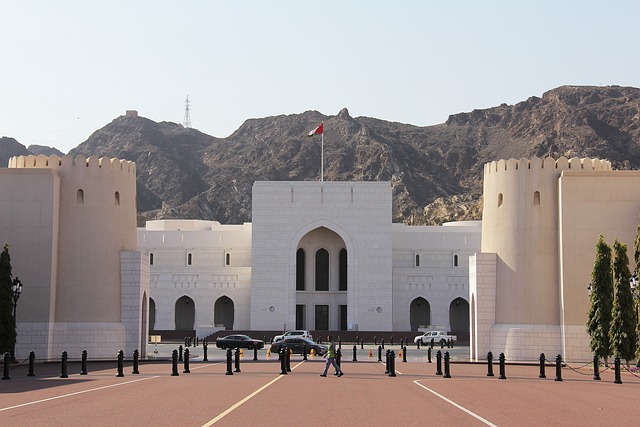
(223, 312)
(152, 314)
(322, 281)
(419, 314)
(459, 318)
(185, 314)
(144, 336)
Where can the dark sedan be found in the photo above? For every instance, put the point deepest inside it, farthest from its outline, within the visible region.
(239, 341)
(297, 346)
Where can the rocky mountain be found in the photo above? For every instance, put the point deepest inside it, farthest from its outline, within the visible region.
(47, 151)
(9, 147)
(435, 171)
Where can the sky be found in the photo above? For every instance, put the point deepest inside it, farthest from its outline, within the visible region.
(68, 68)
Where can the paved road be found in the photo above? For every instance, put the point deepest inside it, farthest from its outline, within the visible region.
(259, 395)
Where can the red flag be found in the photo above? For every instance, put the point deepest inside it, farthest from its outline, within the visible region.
(318, 130)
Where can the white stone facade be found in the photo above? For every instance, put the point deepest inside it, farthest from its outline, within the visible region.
(255, 266)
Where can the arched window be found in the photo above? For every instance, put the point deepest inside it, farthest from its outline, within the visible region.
(417, 260)
(80, 196)
(455, 260)
(343, 269)
(536, 198)
(322, 270)
(500, 199)
(300, 259)
(117, 198)
(151, 258)
(189, 258)
(227, 259)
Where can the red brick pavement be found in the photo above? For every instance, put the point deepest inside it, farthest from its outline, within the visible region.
(364, 396)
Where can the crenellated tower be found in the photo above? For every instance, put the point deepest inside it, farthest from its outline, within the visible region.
(91, 213)
(520, 224)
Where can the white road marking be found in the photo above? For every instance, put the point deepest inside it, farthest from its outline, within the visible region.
(75, 394)
(235, 406)
(462, 408)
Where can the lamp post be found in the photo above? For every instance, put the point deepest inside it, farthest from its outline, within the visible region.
(16, 287)
(633, 281)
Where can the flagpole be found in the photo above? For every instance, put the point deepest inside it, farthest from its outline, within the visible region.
(322, 157)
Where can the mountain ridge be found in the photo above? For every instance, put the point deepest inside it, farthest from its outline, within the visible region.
(435, 171)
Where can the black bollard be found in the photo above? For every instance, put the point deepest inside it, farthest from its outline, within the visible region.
(180, 354)
(441, 344)
(287, 357)
(432, 342)
(382, 343)
(255, 353)
(558, 368)
(186, 362)
(438, 362)
(7, 358)
(406, 341)
(120, 364)
(447, 371)
(355, 358)
(204, 348)
(596, 368)
(237, 360)
(502, 375)
(401, 343)
(490, 364)
(361, 343)
(391, 341)
(186, 341)
(304, 352)
(83, 369)
(197, 341)
(616, 370)
(429, 355)
(338, 357)
(339, 342)
(136, 356)
(542, 362)
(418, 344)
(379, 354)
(375, 340)
(283, 361)
(63, 373)
(404, 354)
(392, 360)
(32, 364)
(174, 363)
(229, 362)
(387, 363)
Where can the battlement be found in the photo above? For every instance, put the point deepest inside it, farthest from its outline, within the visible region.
(68, 162)
(548, 165)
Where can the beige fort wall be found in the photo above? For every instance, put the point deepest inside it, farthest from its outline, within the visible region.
(542, 229)
(90, 213)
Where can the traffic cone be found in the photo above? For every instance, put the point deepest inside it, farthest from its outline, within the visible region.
(268, 352)
(399, 353)
(241, 352)
(370, 353)
(313, 352)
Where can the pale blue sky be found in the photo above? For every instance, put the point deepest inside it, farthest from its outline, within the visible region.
(68, 68)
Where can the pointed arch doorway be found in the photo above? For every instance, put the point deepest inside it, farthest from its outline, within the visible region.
(223, 312)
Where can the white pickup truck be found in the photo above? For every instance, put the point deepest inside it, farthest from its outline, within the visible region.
(438, 337)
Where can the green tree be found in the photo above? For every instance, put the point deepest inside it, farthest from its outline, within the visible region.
(7, 322)
(636, 258)
(623, 324)
(601, 296)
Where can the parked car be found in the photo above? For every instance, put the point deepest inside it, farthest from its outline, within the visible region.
(438, 337)
(292, 334)
(238, 341)
(297, 346)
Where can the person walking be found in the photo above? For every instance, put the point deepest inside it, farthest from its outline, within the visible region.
(331, 359)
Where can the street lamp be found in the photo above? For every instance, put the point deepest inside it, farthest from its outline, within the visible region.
(16, 287)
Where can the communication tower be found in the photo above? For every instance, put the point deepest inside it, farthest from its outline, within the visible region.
(187, 118)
